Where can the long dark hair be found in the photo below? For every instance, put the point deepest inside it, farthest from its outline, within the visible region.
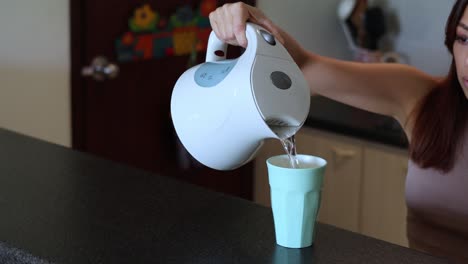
(441, 116)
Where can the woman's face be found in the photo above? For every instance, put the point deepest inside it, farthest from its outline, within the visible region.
(460, 52)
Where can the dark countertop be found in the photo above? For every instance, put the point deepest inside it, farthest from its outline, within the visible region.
(329, 115)
(64, 206)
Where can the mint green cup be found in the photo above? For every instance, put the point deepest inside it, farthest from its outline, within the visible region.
(295, 198)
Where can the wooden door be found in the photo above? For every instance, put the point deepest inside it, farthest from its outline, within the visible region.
(127, 119)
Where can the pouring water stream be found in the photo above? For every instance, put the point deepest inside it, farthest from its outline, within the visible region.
(289, 145)
(286, 135)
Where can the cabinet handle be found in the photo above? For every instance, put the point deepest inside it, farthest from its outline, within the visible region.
(340, 155)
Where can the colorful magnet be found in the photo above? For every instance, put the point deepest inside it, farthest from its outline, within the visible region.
(152, 35)
(144, 19)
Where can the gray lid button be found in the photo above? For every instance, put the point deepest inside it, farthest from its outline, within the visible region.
(268, 37)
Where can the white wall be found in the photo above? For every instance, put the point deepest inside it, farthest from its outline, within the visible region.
(313, 23)
(422, 33)
(420, 38)
(35, 69)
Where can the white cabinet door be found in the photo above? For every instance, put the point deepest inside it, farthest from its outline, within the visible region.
(341, 191)
(383, 188)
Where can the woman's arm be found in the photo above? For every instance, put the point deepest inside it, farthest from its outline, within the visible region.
(383, 88)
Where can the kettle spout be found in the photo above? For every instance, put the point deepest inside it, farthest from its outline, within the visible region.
(282, 128)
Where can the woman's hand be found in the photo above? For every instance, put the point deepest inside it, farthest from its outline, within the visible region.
(229, 22)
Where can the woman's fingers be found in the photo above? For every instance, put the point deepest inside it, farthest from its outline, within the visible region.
(240, 15)
(214, 24)
(229, 23)
(227, 18)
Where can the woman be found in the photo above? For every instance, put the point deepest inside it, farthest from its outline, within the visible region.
(433, 113)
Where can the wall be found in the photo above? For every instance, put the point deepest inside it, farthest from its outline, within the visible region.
(35, 69)
(313, 23)
(419, 38)
(422, 33)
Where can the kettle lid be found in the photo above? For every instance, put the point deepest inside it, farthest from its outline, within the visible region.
(280, 91)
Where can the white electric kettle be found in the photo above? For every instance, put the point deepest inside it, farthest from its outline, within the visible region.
(223, 109)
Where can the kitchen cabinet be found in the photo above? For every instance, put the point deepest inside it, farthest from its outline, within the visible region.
(363, 186)
(340, 196)
(383, 207)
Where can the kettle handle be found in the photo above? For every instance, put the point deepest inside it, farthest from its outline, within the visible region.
(216, 49)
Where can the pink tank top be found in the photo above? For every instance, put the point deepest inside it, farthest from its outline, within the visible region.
(437, 220)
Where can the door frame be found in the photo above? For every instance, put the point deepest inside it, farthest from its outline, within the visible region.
(77, 82)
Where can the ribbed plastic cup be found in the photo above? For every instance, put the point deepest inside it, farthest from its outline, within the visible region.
(295, 198)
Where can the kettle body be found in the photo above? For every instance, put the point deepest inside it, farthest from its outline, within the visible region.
(223, 109)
